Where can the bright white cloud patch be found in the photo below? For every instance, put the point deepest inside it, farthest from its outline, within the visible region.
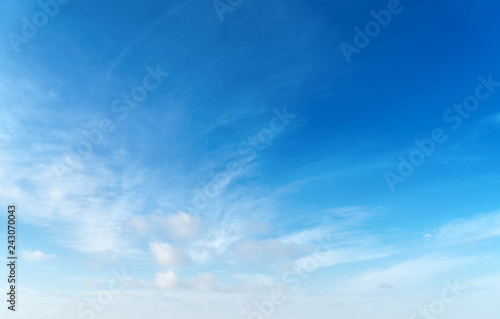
(167, 255)
(36, 255)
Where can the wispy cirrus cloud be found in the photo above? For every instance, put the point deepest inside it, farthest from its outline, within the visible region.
(36, 255)
(466, 230)
(405, 274)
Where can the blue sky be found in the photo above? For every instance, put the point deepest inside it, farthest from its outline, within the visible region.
(210, 151)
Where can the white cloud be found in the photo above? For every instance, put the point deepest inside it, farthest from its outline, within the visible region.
(36, 255)
(84, 209)
(183, 226)
(262, 279)
(342, 228)
(93, 283)
(307, 236)
(139, 224)
(253, 249)
(476, 228)
(334, 257)
(167, 280)
(52, 311)
(205, 282)
(408, 273)
(216, 243)
(167, 255)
